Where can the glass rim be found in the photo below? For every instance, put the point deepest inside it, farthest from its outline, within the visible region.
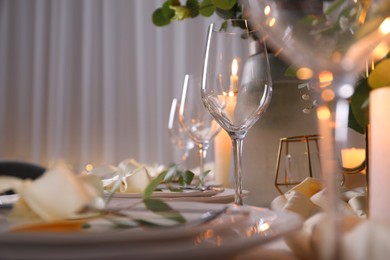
(213, 25)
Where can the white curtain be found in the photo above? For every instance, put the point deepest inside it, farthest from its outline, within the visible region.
(91, 81)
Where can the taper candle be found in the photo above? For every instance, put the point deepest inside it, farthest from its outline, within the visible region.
(379, 155)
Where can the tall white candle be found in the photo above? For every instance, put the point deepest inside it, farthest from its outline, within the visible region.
(379, 155)
(222, 155)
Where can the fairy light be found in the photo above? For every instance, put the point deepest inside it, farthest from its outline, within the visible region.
(267, 10)
(323, 113)
(304, 73)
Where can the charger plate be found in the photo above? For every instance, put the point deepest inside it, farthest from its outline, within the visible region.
(223, 237)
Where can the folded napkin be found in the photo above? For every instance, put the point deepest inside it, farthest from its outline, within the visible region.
(133, 176)
(58, 194)
(308, 198)
(359, 238)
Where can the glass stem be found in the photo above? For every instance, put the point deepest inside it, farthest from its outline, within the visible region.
(202, 156)
(237, 154)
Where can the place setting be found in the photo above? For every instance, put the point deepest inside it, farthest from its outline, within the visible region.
(45, 226)
(127, 209)
(133, 209)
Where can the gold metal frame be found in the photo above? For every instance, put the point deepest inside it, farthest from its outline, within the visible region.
(285, 141)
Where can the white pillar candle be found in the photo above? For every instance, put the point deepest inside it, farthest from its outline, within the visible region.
(379, 155)
(222, 155)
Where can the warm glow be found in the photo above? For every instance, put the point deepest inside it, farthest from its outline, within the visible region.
(380, 51)
(385, 26)
(264, 226)
(89, 167)
(231, 94)
(272, 22)
(323, 113)
(325, 76)
(327, 95)
(352, 158)
(267, 10)
(234, 67)
(304, 73)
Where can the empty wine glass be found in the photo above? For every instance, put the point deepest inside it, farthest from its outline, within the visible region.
(177, 134)
(196, 120)
(329, 43)
(236, 84)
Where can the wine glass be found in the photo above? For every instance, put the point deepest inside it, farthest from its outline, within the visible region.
(177, 134)
(196, 120)
(329, 43)
(236, 84)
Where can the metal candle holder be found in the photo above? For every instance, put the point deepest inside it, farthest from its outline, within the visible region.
(284, 145)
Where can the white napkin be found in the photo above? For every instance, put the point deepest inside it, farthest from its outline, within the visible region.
(134, 176)
(308, 198)
(58, 194)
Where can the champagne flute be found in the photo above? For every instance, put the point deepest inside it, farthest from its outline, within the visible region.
(196, 120)
(177, 134)
(236, 84)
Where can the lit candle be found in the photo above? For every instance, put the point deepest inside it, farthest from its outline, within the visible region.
(352, 157)
(222, 154)
(222, 142)
(379, 155)
(234, 77)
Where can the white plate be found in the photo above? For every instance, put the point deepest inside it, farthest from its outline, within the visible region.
(6, 201)
(210, 196)
(222, 238)
(169, 194)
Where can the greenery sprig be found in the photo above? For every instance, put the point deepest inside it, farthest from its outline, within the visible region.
(168, 177)
(173, 10)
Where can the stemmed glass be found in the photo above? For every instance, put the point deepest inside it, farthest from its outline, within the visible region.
(196, 120)
(236, 84)
(329, 43)
(177, 134)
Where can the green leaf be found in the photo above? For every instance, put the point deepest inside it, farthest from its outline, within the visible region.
(206, 8)
(167, 11)
(159, 19)
(163, 209)
(153, 184)
(380, 76)
(359, 98)
(353, 123)
(291, 71)
(188, 176)
(171, 174)
(224, 4)
(193, 5)
(181, 12)
(225, 14)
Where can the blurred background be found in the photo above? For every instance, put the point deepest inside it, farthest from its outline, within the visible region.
(91, 82)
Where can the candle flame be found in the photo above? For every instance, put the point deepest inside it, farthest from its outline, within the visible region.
(234, 67)
(385, 26)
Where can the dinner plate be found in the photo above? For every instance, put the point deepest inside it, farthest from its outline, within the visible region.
(165, 193)
(242, 228)
(225, 195)
(6, 201)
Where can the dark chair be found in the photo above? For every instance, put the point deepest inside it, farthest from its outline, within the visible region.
(23, 170)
